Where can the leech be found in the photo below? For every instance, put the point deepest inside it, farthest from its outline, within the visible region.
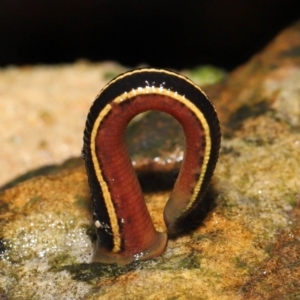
(125, 231)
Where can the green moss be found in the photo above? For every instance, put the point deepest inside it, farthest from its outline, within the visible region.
(57, 261)
(189, 262)
(110, 75)
(177, 262)
(32, 201)
(212, 236)
(95, 271)
(82, 202)
(292, 199)
(241, 264)
(269, 248)
(206, 75)
(90, 272)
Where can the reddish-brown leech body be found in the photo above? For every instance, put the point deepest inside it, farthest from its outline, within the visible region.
(125, 231)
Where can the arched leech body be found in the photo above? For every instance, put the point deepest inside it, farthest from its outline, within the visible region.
(125, 231)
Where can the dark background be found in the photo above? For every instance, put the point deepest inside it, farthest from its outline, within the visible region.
(165, 33)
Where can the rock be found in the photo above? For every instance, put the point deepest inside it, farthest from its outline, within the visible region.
(248, 245)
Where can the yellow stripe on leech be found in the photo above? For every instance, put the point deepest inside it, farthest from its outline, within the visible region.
(104, 187)
(191, 106)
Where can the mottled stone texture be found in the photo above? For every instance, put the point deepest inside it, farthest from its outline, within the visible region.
(248, 246)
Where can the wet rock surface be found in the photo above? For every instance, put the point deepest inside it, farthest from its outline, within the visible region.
(248, 246)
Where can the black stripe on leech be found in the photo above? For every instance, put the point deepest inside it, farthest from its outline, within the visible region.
(133, 80)
(101, 214)
(98, 203)
(192, 218)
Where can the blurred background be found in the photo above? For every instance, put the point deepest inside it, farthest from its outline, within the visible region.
(165, 33)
